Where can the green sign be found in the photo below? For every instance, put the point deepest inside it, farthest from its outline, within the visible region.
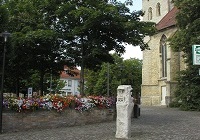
(196, 54)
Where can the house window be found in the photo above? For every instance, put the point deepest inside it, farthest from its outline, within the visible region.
(66, 83)
(158, 9)
(163, 51)
(69, 93)
(150, 14)
(69, 83)
(63, 93)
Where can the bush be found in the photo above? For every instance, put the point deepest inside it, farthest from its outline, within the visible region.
(174, 104)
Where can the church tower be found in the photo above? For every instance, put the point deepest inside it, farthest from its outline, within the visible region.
(155, 10)
(160, 63)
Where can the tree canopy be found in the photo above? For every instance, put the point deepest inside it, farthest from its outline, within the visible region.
(93, 29)
(3, 17)
(188, 22)
(46, 35)
(106, 80)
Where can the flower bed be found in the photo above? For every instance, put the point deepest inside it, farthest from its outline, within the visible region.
(58, 103)
(51, 111)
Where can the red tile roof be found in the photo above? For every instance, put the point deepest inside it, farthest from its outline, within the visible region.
(168, 20)
(75, 72)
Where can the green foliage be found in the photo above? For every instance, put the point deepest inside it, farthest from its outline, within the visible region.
(49, 34)
(128, 72)
(188, 20)
(3, 18)
(133, 74)
(174, 104)
(187, 93)
(57, 85)
(97, 27)
(94, 28)
(3, 26)
(35, 44)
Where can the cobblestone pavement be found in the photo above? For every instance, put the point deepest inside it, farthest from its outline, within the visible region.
(155, 123)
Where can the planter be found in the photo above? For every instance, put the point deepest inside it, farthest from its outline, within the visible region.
(43, 119)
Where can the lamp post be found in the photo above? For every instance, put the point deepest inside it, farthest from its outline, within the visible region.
(108, 79)
(51, 82)
(5, 35)
(121, 70)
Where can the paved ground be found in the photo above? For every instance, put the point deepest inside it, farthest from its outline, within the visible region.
(155, 123)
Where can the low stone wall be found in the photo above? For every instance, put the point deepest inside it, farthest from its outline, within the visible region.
(42, 119)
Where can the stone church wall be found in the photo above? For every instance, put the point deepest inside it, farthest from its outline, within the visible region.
(146, 4)
(152, 80)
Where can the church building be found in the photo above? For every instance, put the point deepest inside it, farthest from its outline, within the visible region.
(160, 63)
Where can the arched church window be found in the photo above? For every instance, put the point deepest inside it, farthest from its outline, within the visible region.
(150, 14)
(163, 51)
(158, 9)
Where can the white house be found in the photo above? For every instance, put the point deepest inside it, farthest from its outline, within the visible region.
(72, 82)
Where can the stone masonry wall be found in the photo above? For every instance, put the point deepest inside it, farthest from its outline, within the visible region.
(41, 119)
(151, 70)
(164, 5)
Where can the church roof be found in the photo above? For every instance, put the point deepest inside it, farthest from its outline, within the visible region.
(168, 20)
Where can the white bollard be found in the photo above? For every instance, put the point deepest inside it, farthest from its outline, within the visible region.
(124, 106)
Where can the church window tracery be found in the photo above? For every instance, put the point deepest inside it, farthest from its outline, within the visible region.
(158, 9)
(150, 14)
(163, 52)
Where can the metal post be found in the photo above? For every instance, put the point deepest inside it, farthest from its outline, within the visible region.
(5, 35)
(121, 70)
(121, 76)
(108, 79)
(2, 83)
(51, 82)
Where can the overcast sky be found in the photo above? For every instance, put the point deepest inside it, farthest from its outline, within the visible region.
(133, 51)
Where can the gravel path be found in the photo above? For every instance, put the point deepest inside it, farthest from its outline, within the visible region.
(155, 123)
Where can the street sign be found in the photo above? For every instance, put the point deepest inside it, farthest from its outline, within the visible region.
(199, 71)
(30, 92)
(196, 54)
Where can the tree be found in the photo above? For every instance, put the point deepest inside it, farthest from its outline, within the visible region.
(3, 24)
(3, 17)
(47, 33)
(3, 21)
(36, 45)
(97, 80)
(93, 28)
(131, 75)
(188, 22)
(3, 27)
